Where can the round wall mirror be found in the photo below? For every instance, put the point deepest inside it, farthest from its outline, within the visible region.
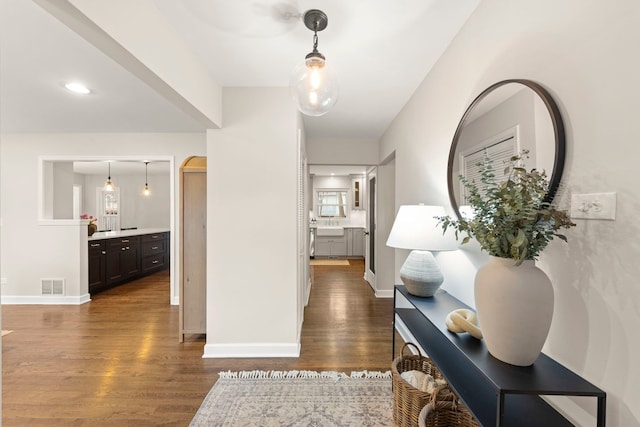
(506, 118)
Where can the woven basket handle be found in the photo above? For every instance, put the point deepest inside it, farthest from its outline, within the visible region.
(436, 393)
(412, 345)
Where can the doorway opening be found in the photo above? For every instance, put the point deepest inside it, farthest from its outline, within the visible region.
(339, 207)
(68, 188)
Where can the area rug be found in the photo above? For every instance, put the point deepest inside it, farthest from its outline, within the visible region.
(298, 399)
(329, 262)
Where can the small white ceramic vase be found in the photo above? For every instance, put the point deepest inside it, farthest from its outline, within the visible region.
(515, 307)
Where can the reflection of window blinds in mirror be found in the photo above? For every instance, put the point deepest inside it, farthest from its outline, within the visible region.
(499, 151)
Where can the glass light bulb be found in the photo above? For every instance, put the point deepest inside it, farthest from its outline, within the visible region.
(314, 87)
(146, 191)
(313, 98)
(316, 78)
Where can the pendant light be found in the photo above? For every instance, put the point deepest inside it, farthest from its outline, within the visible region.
(109, 186)
(146, 190)
(313, 85)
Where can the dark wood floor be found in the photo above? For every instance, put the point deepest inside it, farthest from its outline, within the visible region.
(116, 361)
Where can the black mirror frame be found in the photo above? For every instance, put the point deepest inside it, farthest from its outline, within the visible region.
(558, 130)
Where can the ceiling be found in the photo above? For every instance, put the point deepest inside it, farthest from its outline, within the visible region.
(121, 167)
(338, 170)
(380, 50)
(38, 54)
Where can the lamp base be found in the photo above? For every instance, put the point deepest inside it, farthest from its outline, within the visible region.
(420, 274)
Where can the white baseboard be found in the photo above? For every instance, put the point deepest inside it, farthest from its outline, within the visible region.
(250, 350)
(307, 292)
(386, 293)
(46, 300)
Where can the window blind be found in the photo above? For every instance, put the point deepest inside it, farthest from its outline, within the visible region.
(498, 151)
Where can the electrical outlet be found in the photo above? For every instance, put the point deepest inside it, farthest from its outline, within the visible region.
(593, 206)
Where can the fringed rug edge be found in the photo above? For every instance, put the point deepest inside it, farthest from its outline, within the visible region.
(293, 374)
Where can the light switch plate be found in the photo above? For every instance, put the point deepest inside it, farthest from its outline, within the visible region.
(593, 206)
(3, 281)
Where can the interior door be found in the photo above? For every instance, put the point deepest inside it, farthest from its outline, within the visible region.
(193, 243)
(370, 241)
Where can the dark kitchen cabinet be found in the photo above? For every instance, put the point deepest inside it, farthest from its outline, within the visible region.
(154, 252)
(119, 260)
(123, 259)
(97, 265)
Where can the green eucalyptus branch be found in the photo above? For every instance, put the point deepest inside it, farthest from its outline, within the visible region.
(510, 218)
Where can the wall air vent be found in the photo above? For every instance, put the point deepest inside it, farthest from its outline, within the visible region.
(52, 286)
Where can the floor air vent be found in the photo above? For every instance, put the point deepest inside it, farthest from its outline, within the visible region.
(52, 286)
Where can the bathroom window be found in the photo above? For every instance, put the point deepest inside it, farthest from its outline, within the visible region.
(332, 203)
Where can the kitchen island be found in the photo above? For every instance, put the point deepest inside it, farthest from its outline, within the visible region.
(117, 257)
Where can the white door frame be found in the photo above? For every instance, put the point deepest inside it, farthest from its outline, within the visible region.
(371, 237)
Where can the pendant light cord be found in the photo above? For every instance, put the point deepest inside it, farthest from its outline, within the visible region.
(315, 38)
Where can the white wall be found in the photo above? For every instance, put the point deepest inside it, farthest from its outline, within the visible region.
(583, 52)
(136, 210)
(386, 214)
(31, 250)
(252, 289)
(336, 151)
(63, 191)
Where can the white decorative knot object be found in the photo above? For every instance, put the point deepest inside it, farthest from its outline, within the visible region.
(463, 320)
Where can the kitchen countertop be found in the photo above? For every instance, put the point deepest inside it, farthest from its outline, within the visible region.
(99, 235)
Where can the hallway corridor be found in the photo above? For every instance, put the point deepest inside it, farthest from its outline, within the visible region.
(117, 360)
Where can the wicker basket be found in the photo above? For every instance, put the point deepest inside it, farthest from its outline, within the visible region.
(408, 401)
(446, 412)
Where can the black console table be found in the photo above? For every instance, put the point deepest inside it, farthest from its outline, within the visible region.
(497, 393)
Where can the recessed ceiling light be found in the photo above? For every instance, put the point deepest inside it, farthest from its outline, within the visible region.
(77, 87)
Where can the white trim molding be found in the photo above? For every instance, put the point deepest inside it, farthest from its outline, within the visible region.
(251, 350)
(384, 293)
(45, 300)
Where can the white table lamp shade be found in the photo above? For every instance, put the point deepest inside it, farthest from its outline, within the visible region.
(416, 228)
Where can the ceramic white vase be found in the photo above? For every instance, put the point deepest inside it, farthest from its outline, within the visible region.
(515, 307)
